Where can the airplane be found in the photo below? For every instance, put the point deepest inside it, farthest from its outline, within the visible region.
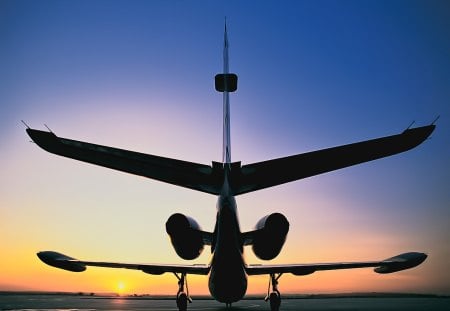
(227, 271)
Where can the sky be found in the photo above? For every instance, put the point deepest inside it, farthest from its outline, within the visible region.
(139, 75)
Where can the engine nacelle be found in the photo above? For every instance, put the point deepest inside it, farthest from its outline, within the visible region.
(270, 235)
(185, 236)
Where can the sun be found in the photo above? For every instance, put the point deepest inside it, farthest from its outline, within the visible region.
(120, 287)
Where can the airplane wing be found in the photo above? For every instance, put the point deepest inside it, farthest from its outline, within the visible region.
(394, 264)
(181, 173)
(270, 173)
(64, 262)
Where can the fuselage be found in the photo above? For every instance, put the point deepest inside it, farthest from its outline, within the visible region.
(227, 279)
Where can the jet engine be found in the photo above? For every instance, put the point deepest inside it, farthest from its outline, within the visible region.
(185, 235)
(270, 235)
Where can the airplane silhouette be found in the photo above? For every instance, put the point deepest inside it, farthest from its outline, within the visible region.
(227, 270)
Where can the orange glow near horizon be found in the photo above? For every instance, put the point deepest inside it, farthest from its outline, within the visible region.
(130, 283)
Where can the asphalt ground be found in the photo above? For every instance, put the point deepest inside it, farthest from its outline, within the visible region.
(83, 303)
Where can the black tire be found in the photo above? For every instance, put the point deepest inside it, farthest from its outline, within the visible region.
(275, 301)
(182, 301)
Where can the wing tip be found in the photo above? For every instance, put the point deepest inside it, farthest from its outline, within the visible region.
(401, 262)
(61, 261)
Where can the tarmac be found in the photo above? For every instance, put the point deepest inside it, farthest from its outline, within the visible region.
(25, 302)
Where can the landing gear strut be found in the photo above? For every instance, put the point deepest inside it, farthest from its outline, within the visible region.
(274, 296)
(182, 297)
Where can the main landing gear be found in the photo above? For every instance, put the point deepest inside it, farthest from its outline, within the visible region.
(274, 296)
(182, 297)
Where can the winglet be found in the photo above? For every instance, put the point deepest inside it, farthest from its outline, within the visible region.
(401, 262)
(61, 261)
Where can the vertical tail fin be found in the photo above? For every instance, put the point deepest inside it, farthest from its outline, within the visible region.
(226, 157)
(226, 83)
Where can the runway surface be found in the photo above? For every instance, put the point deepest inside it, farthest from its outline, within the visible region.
(83, 303)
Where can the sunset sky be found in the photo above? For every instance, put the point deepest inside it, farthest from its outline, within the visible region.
(139, 75)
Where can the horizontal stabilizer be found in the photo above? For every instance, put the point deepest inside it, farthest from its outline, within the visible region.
(181, 173)
(242, 179)
(274, 172)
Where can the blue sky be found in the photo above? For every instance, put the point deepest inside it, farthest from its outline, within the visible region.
(312, 74)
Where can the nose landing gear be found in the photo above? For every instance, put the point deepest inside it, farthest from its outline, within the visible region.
(274, 296)
(182, 297)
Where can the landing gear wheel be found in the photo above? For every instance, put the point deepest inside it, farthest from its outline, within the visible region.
(182, 301)
(182, 296)
(275, 301)
(274, 296)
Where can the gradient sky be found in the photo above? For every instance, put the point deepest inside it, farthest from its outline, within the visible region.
(139, 75)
